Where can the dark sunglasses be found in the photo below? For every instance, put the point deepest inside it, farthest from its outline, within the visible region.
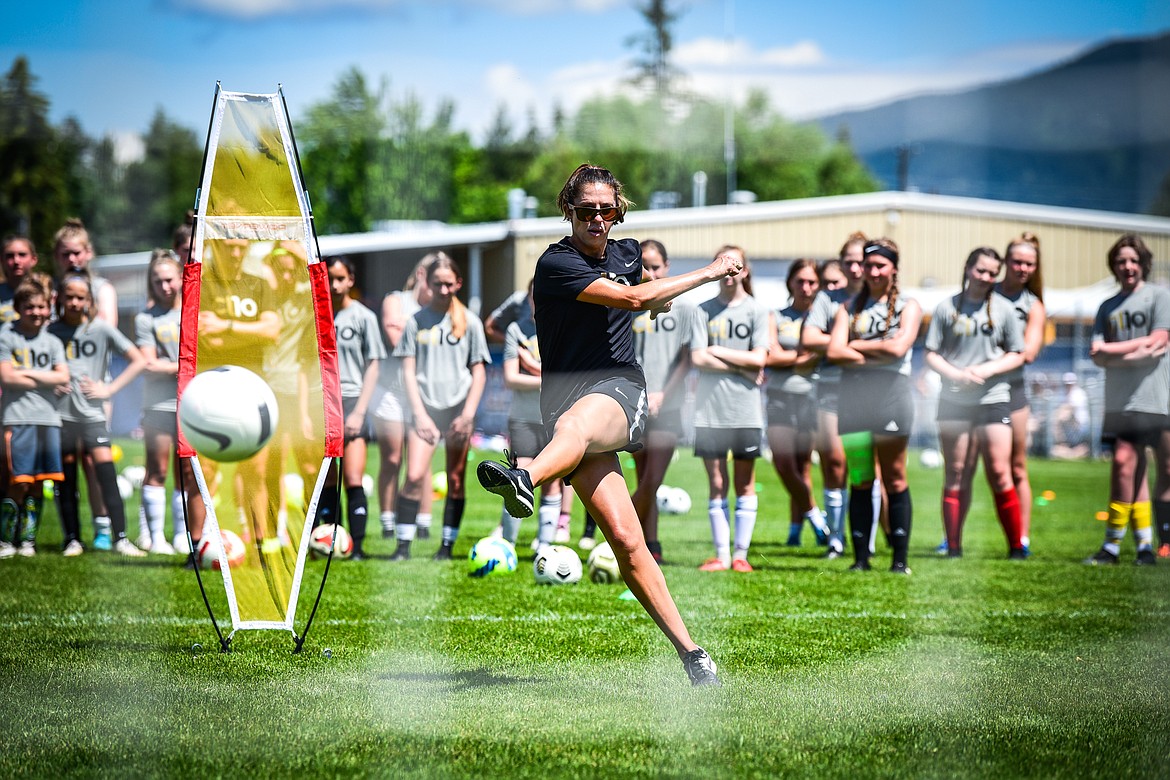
(588, 213)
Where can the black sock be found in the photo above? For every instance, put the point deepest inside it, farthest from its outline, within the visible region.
(860, 521)
(406, 516)
(327, 509)
(453, 512)
(107, 478)
(590, 525)
(900, 517)
(1162, 521)
(356, 510)
(67, 502)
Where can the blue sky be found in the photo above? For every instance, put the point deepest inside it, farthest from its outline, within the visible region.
(113, 63)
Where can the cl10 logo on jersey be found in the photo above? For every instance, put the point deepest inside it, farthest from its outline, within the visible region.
(27, 358)
(77, 348)
(644, 323)
(723, 329)
(437, 335)
(242, 308)
(1128, 320)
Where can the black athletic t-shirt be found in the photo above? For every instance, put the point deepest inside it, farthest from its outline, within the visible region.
(582, 343)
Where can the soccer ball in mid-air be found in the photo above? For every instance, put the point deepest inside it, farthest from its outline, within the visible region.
(209, 549)
(557, 565)
(673, 500)
(930, 458)
(602, 565)
(321, 539)
(227, 413)
(490, 556)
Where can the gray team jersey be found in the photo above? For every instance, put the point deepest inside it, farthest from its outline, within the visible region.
(728, 400)
(158, 329)
(870, 325)
(359, 343)
(659, 343)
(294, 352)
(964, 336)
(442, 363)
(1145, 387)
(525, 403)
(1023, 303)
(390, 370)
(820, 316)
(40, 353)
(88, 347)
(789, 321)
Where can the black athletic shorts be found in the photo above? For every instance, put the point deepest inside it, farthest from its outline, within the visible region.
(632, 397)
(742, 443)
(525, 438)
(1019, 396)
(797, 411)
(367, 430)
(669, 421)
(1141, 428)
(977, 414)
(91, 434)
(880, 402)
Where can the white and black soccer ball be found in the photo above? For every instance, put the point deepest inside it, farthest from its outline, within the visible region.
(602, 565)
(557, 565)
(673, 500)
(228, 413)
(930, 458)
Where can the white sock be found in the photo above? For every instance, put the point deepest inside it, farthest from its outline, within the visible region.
(101, 524)
(154, 503)
(509, 526)
(450, 534)
(404, 532)
(550, 512)
(720, 528)
(388, 521)
(423, 521)
(746, 508)
(816, 518)
(876, 497)
(178, 513)
(835, 509)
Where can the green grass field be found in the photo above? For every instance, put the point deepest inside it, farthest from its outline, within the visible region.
(977, 667)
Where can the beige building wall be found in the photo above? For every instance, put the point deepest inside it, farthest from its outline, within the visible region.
(934, 233)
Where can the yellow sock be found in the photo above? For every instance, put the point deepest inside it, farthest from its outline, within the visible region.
(1119, 514)
(1142, 523)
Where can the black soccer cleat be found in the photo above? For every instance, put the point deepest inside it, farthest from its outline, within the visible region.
(700, 668)
(403, 551)
(443, 553)
(1101, 558)
(513, 484)
(1146, 557)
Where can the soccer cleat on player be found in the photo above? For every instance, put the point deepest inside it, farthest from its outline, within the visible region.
(700, 668)
(513, 485)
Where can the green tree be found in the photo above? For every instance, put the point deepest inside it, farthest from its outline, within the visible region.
(34, 168)
(339, 150)
(161, 187)
(652, 68)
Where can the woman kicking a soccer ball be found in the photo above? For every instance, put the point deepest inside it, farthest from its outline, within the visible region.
(593, 393)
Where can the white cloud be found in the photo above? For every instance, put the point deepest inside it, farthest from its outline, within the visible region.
(739, 53)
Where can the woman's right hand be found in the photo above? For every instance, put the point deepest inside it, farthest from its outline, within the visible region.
(726, 264)
(426, 429)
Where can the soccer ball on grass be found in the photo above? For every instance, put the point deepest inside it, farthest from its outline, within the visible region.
(491, 556)
(209, 549)
(602, 565)
(557, 565)
(321, 539)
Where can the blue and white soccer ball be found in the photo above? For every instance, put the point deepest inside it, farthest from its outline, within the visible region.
(602, 565)
(491, 556)
(557, 565)
(228, 413)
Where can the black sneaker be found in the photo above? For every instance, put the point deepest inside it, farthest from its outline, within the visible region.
(513, 484)
(1101, 558)
(1146, 557)
(1018, 554)
(423, 532)
(860, 566)
(700, 668)
(443, 553)
(900, 568)
(402, 553)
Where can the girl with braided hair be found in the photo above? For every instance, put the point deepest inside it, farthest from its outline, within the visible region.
(974, 342)
(871, 340)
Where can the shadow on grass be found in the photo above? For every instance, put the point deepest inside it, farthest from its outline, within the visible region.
(469, 680)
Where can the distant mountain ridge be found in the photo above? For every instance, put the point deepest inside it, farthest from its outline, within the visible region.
(1093, 132)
